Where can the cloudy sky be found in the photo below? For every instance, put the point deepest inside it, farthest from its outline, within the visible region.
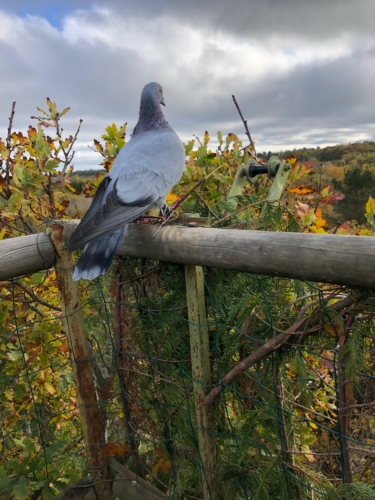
(302, 71)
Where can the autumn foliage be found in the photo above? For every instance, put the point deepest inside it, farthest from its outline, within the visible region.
(280, 429)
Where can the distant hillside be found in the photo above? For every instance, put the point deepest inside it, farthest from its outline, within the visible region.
(89, 173)
(363, 152)
(332, 153)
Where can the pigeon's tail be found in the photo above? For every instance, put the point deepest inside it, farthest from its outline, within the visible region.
(97, 256)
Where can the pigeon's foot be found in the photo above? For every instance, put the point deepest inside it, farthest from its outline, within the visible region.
(148, 220)
(165, 211)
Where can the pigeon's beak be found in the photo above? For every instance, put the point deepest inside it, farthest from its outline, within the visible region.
(162, 101)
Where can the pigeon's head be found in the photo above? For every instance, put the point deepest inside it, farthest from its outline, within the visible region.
(151, 116)
(154, 91)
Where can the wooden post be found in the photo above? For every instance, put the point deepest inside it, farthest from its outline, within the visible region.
(201, 373)
(72, 317)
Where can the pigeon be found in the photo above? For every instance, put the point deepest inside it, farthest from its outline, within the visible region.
(143, 173)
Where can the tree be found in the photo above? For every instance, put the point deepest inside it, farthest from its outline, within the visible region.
(357, 186)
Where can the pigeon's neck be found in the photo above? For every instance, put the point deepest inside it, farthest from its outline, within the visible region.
(151, 116)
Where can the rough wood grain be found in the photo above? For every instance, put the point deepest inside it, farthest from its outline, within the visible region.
(346, 260)
(25, 255)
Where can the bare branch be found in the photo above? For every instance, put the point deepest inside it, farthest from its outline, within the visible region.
(272, 345)
(245, 124)
(8, 160)
(67, 153)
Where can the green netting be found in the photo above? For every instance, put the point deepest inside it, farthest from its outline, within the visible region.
(298, 424)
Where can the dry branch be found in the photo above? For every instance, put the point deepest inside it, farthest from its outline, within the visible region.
(125, 485)
(245, 123)
(272, 345)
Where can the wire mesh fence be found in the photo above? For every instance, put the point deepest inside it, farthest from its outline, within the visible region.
(292, 364)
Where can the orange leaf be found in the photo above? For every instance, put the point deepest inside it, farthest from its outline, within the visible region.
(166, 466)
(162, 464)
(63, 348)
(302, 190)
(112, 449)
(334, 329)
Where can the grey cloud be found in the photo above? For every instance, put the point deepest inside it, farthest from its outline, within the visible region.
(309, 104)
(261, 19)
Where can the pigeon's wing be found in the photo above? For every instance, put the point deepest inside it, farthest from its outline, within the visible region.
(119, 202)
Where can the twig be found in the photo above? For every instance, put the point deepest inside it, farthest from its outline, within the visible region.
(183, 198)
(175, 409)
(36, 298)
(207, 205)
(8, 160)
(238, 211)
(68, 159)
(245, 124)
(320, 377)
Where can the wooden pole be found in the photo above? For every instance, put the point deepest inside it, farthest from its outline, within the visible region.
(201, 374)
(72, 317)
(327, 258)
(25, 255)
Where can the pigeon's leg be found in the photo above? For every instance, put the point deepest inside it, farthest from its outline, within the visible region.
(167, 214)
(166, 211)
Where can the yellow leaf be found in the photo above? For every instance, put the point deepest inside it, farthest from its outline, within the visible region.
(49, 388)
(370, 206)
(172, 197)
(70, 187)
(370, 210)
(291, 160)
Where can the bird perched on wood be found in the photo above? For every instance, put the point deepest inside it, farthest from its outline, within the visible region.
(143, 173)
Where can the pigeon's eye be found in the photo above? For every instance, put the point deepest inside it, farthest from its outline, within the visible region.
(161, 91)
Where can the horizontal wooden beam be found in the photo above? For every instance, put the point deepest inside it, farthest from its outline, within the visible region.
(327, 258)
(25, 255)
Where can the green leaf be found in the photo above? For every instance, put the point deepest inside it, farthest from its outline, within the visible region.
(189, 147)
(27, 444)
(51, 165)
(47, 493)
(14, 355)
(20, 491)
(42, 111)
(17, 175)
(112, 133)
(64, 111)
(201, 153)
(5, 480)
(220, 137)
